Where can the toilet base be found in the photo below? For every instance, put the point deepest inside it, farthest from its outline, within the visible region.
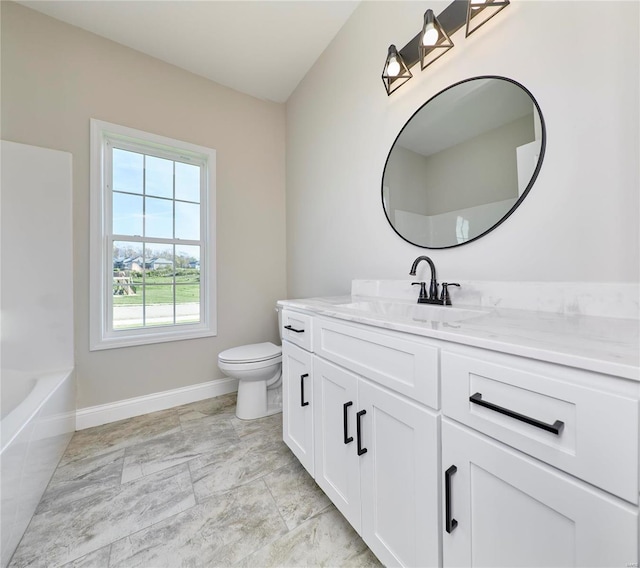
(252, 401)
(270, 411)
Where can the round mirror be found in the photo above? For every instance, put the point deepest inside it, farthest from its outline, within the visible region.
(463, 162)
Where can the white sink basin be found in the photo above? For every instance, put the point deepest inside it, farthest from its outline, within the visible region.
(414, 312)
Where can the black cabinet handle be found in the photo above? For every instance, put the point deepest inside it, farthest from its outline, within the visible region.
(554, 428)
(359, 415)
(450, 523)
(302, 378)
(294, 329)
(345, 406)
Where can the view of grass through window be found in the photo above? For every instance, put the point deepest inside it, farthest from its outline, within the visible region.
(156, 241)
(150, 294)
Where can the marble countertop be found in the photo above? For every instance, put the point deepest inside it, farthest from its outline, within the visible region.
(600, 344)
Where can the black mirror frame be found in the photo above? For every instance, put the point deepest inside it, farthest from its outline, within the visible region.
(524, 193)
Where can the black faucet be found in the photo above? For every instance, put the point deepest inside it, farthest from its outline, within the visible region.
(432, 297)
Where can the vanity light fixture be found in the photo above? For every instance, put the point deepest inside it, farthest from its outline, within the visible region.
(434, 41)
(395, 72)
(479, 12)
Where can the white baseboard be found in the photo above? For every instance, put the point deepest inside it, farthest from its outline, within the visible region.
(130, 407)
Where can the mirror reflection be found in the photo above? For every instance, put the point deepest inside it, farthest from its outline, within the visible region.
(463, 162)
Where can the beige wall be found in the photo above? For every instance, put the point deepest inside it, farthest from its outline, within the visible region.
(56, 77)
(579, 222)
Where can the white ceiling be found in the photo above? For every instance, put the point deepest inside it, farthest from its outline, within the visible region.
(262, 48)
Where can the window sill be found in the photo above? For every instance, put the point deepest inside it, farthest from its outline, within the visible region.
(116, 340)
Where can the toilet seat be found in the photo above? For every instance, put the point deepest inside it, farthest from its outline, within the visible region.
(234, 366)
(253, 353)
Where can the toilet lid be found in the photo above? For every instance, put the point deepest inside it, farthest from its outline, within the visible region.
(254, 352)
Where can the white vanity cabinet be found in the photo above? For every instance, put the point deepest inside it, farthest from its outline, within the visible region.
(377, 459)
(375, 442)
(444, 454)
(513, 488)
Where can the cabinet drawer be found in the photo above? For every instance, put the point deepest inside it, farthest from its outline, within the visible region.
(390, 359)
(297, 328)
(544, 411)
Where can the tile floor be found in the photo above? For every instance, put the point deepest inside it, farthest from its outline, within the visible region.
(190, 486)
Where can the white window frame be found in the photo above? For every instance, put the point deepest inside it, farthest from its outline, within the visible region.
(101, 333)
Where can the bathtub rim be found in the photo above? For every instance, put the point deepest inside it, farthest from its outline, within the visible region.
(47, 383)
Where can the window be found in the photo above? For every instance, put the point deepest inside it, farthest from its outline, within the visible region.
(152, 238)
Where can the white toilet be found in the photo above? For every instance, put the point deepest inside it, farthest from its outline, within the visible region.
(258, 368)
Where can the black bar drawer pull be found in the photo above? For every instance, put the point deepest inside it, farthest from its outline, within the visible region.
(345, 407)
(554, 428)
(302, 401)
(294, 329)
(450, 523)
(359, 415)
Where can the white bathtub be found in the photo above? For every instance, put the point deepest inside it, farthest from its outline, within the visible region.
(37, 421)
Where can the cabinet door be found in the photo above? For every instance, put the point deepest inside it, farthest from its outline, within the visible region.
(337, 463)
(511, 510)
(399, 478)
(297, 403)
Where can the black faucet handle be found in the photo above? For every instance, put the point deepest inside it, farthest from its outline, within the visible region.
(446, 299)
(423, 290)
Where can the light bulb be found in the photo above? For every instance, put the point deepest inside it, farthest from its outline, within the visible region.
(393, 68)
(431, 35)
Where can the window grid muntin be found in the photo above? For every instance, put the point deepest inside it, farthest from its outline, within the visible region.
(145, 149)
